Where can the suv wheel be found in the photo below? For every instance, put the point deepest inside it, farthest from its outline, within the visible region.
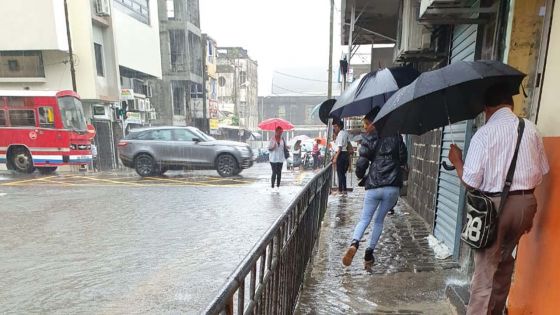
(144, 165)
(226, 165)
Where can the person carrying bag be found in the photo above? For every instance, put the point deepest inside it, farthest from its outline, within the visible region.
(504, 164)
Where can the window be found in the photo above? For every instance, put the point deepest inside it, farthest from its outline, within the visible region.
(138, 9)
(196, 90)
(160, 135)
(179, 94)
(193, 12)
(22, 118)
(171, 9)
(184, 135)
(99, 110)
(2, 118)
(195, 51)
(46, 117)
(177, 50)
(242, 77)
(99, 59)
(222, 81)
(21, 64)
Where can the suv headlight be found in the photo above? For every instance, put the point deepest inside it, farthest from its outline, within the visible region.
(245, 151)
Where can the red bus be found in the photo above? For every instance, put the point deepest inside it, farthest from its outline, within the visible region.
(43, 130)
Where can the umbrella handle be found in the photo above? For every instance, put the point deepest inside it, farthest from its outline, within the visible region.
(447, 166)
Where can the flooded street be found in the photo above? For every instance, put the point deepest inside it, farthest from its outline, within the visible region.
(125, 245)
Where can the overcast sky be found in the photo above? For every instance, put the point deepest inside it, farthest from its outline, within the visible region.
(290, 36)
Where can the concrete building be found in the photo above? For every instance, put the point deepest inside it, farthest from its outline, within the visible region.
(137, 34)
(237, 88)
(178, 96)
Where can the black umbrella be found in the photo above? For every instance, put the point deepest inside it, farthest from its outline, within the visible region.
(324, 110)
(444, 96)
(373, 90)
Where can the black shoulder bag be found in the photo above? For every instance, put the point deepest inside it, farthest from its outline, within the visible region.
(482, 216)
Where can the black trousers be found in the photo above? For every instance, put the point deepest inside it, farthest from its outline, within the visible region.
(276, 173)
(341, 169)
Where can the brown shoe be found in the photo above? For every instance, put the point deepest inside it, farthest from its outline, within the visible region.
(350, 252)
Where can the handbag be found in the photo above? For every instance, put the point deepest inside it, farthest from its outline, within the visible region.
(481, 227)
(286, 151)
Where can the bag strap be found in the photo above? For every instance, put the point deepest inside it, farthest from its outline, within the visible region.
(511, 171)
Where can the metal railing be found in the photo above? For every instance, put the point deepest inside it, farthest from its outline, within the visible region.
(268, 280)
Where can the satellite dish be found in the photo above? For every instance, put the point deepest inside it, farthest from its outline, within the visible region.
(325, 109)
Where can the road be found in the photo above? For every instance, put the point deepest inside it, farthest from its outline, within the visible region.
(115, 243)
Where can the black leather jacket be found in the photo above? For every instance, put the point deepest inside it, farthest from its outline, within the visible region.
(384, 157)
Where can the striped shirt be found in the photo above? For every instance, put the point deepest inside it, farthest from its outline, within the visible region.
(491, 150)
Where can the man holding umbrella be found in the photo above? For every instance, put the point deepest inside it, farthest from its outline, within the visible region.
(485, 168)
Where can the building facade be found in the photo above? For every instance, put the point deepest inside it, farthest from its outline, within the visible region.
(179, 94)
(237, 88)
(211, 82)
(137, 32)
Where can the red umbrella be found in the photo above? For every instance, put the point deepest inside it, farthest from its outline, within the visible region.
(271, 124)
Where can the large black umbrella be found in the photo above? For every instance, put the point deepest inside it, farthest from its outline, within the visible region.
(444, 96)
(373, 90)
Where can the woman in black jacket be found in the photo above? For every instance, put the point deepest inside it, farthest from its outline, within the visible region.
(385, 157)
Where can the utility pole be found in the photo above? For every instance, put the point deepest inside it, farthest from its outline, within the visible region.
(70, 52)
(329, 89)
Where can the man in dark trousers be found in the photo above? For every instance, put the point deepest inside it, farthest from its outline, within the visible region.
(341, 158)
(485, 168)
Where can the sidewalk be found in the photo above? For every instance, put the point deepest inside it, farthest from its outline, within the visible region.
(406, 279)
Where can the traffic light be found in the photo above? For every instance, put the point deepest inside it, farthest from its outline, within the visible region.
(122, 111)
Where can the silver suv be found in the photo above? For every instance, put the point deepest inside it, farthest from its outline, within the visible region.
(153, 151)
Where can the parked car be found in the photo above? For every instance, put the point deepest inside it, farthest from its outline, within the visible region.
(153, 151)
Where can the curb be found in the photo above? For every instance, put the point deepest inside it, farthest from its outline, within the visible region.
(458, 296)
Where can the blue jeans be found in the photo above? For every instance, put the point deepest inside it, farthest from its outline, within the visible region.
(377, 201)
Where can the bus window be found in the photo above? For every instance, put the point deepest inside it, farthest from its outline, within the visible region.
(2, 118)
(18, 101)
(22, 118)
(46, 117)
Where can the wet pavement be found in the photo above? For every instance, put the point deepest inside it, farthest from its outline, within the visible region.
(406, 278)
(115, 243)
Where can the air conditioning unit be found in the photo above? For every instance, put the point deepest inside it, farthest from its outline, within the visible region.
(103, 7)
(414, 38)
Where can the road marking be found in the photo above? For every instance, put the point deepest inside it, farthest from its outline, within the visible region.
(179, 181)
(26, 181)
(111, 181)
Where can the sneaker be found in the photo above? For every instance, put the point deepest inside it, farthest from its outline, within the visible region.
(350, 252)
(368, 259)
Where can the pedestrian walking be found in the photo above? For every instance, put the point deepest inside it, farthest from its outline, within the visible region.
(383, 156)
(93, 156)
(315, 152)
(341, 158)
(490, 154)
(277, 156)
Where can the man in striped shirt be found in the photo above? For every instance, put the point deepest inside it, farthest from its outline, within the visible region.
(485, 168)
